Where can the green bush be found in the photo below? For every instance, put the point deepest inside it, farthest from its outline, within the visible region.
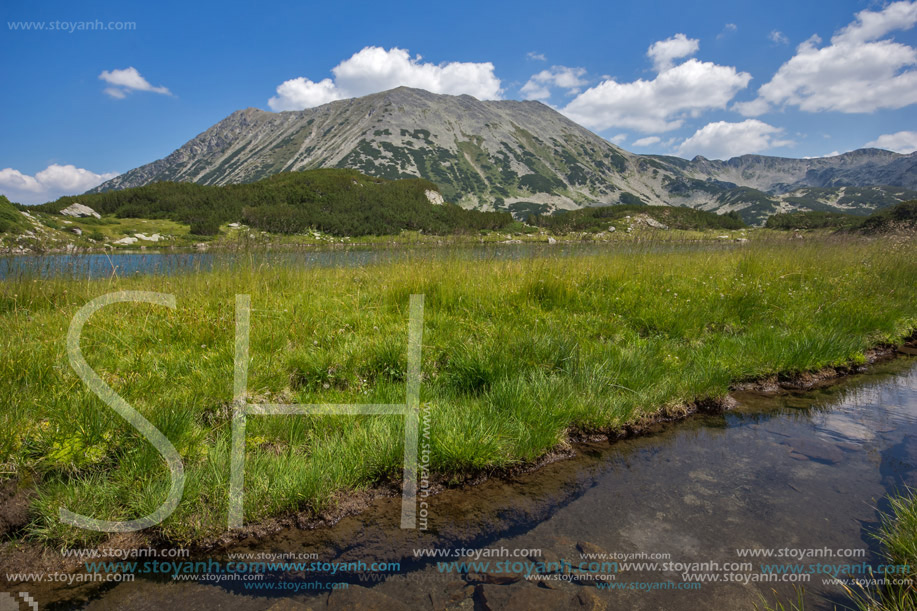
(208, 225)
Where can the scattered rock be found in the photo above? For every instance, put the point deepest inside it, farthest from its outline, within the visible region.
(584, 547)
(454, 592)
(611, 228)
(126, 241)
(289, 604)
(814, 450)
(741, 240)
(79, 211)
(152, 238)
(551, 240)
(76, 230)
(524, 597)
(434, 197)
(645, 219)
(589, 600)
(358, 598)
(500, 579)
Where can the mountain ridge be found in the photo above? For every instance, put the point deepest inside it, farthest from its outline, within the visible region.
(521, 156)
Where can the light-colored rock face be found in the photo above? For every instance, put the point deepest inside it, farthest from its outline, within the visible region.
(643, 219)
(126, 241)
(79, 211)
(434, 197)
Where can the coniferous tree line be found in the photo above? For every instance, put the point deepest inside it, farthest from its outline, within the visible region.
(335, 201)
(600, 217)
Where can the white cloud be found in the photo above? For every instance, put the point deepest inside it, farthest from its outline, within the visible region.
(618, 139)
(729, 28)
(539, 86)
(375, 69)
(299, 93)
(665, 52)
(126, 81)
(900, 142)
(778, 37)
(831, 154)
(49, 184)
(870, 25)
(648, 141)
(722, 140)
(856, 73)
(661, 104)
(536, 56)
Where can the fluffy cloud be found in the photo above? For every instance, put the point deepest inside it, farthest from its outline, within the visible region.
(648, 141)
(661, 104)
(900, 142)
(125, 81)
(299, 93)
(49, 184)
(539, 86)
(722, 140)
(375, 69)
(855, 73)
(665, 52)
(536, 56)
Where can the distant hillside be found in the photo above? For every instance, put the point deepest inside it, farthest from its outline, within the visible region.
(522, 157)
(899, 217)
(756, 206)
(337, 202)
(11, 219)
(613, 217)
(778, 175)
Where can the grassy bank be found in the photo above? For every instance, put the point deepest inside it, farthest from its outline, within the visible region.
(515, 354)
(898, 592)
(898, 537)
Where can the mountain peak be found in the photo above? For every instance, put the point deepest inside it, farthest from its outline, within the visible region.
(521, 156)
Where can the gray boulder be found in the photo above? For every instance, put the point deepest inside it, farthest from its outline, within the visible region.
(79, 211)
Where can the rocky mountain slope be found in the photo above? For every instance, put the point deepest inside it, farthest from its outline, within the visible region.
(860, 168)
(519, 156)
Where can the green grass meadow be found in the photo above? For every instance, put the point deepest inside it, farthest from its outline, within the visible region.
(516, 354)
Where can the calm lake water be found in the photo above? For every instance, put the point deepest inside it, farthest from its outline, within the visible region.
(127, 264)
(796, 471)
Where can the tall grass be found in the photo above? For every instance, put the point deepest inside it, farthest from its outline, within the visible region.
(898, 538)
(516, 354)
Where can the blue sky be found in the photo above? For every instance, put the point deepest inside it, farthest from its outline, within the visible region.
(673, 77)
